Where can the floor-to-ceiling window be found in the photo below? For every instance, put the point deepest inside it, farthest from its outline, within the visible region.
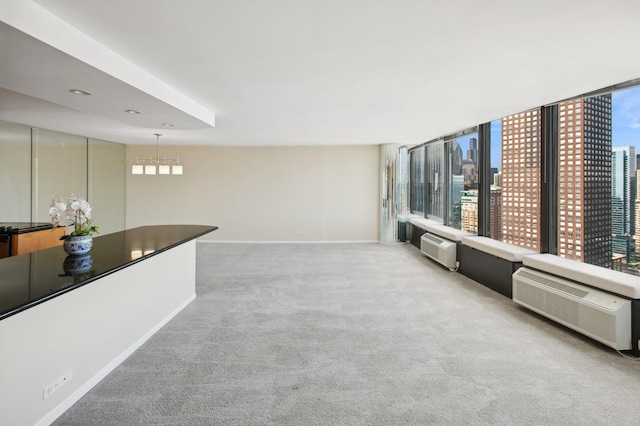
(625, 205)
(435, 179)
(416, 180)
(463, 182)
(495, 184)
(444, 180)
(597, 167)
(562, 179)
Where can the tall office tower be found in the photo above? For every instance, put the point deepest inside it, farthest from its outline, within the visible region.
(457, 184)
(469, 202)
(456, 157)
(623, 176)
(457, 190)
(495, 227)
(520, 175)
(637, 211)
(584, 180)
(472, 152)
(470, 173)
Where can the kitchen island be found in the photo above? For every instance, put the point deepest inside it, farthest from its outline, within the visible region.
(66, 322)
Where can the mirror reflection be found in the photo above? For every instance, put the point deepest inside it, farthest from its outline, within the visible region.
(15, 172)
(38, 164)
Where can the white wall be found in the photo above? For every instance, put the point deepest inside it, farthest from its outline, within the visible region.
(262, 193)
(88, 331)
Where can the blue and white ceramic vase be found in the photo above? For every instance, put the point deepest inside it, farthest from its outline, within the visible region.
(77, 246)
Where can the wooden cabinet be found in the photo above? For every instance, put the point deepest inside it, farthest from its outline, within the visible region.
(36, 240)
(4, 246)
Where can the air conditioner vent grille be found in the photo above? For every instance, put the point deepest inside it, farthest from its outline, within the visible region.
(442, 251)
(430, 250)
(433, 238)
(554, 284)
(599, 315)
(563, 308)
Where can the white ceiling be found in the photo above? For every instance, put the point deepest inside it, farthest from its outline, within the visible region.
(302, 72)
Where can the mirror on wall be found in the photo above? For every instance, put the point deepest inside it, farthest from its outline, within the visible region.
(38, 164)
(59, 166)
(15, 172)
(107, 174)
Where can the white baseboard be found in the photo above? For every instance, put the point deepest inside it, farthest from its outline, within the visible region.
(86, 387)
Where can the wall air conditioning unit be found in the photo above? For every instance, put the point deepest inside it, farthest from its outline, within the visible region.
(441, 250)
(599, 315)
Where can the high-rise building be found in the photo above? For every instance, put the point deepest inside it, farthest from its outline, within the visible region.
(457, 184)
(457, 191)
(495, 226)
(584, 180)
(456, 157)
(623, 167)
(469, 201)
(520, 179)
(497, 179)
(472, 152)
(637, 212)
(470, 173)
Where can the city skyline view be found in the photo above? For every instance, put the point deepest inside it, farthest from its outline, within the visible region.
(598, 217)
(625, 124)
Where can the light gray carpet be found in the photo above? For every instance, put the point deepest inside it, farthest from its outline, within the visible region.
(357, 334)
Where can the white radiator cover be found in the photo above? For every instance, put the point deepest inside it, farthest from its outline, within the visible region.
(602, 316)
(441, 250)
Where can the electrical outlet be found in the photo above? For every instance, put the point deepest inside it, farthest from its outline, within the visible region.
(57, 384)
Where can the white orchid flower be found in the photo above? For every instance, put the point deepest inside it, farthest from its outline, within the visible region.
(73, 211)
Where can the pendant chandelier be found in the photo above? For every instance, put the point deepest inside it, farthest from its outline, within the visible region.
(153, 166)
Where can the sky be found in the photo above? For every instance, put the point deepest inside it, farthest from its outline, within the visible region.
(625, 126)
(626, 117)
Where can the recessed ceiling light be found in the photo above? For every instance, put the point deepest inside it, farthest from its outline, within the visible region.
(167, 124)
(133, 111)
(80, 92)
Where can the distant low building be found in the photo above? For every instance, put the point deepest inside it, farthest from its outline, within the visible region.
(469, 201)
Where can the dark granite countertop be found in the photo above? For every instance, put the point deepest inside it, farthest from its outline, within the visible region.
(29, 279)
(23, 227)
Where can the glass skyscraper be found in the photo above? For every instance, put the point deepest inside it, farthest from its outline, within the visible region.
(623, 166)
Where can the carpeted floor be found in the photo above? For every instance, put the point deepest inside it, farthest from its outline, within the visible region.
(357, 334)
